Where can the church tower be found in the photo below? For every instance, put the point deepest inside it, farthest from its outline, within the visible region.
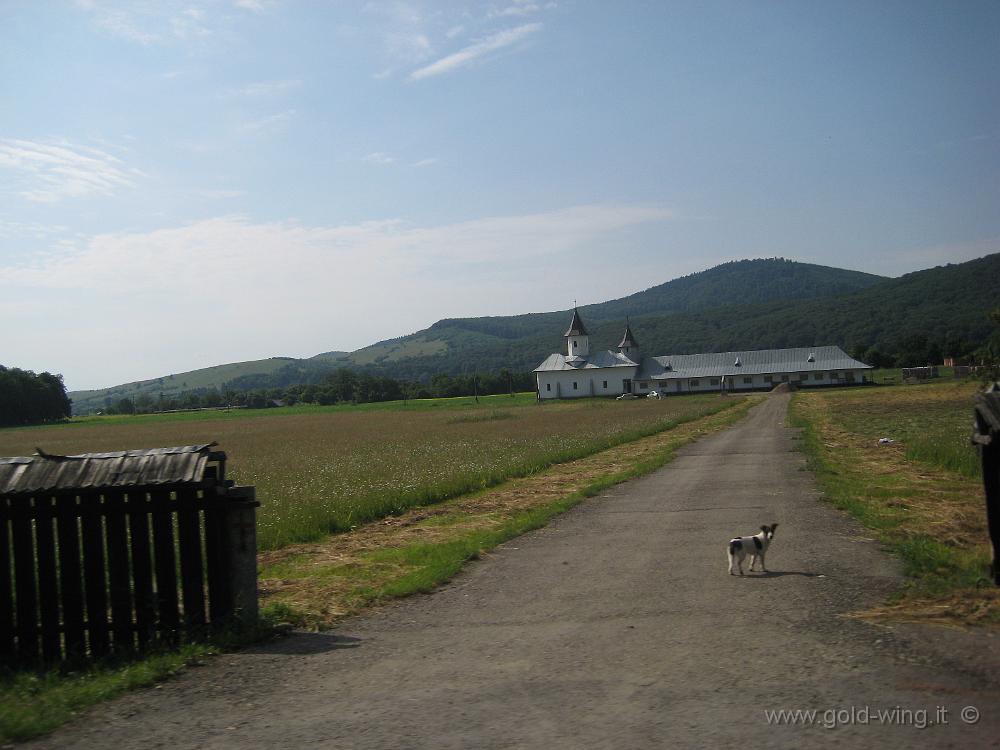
(628, 345)
(577, 338)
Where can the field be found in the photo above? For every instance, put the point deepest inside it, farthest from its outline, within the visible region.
(921, 495)
(324, 469)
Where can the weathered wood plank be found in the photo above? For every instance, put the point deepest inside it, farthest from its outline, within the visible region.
(70, 576)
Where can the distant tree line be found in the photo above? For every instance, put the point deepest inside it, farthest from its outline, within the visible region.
(27, 398)
(342, 386)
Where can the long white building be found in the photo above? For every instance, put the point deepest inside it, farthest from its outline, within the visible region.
(579, 373)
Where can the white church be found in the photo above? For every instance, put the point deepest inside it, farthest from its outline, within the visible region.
(579, 373)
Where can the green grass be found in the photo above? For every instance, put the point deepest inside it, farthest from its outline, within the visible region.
(36, 702)
(894, 504)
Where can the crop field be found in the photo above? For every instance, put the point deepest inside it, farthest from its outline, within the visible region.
(324, 469)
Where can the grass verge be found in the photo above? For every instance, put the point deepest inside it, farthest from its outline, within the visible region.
(33, 703)
(932, 518)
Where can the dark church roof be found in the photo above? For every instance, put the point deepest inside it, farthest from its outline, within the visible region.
(628, 339)
(576, 326)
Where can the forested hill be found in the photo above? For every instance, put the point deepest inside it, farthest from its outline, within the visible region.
(756, 304)
(744, 282)
(915, 319)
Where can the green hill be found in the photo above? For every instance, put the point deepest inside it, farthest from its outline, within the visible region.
(751, 304)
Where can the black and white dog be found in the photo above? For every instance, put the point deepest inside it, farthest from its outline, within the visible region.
(755, 546)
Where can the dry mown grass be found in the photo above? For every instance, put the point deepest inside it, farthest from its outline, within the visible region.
(935, 518)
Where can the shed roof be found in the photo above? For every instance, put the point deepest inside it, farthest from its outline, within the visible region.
(759, 362)
(182, 465)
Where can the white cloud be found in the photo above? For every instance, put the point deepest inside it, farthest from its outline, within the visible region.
(426, 162)
(474, 51)
(516, 9)
(269, 123)
(379, 157)
(51, 171)
(147, 23)
(285, 288)
(267, 88)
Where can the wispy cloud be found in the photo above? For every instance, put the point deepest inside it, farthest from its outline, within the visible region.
(148, 23)
(267, 88)
(517, 8)
(426, 162)
(476, 50)
(379, 157)
(50, 171)
(270, 123)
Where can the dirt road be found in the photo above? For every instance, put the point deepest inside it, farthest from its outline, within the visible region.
(616, 626)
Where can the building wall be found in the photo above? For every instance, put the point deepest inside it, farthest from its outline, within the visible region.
(559, 384)
(803, 379)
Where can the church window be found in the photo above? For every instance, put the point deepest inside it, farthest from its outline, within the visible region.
(574, 385)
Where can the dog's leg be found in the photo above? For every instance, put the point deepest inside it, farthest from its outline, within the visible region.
(730, 555)
(753, 561)
(762, 567)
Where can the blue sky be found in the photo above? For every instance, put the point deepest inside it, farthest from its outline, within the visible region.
(191, 183)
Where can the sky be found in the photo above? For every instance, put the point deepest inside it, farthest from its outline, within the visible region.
(184, 184)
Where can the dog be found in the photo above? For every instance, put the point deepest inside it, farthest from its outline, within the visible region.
(755, 546)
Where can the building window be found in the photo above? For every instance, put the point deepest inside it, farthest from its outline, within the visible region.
(693, 383)
(784, 378)
(643, 386)
(817, 376)
(605, 386)
(548, 386)
(747, 381)
(574, 345)
(713, 381)
(834, 376)
(850, 377)
(767, 379)
(574, 385)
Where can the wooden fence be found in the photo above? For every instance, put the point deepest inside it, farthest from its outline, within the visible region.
(87, 572)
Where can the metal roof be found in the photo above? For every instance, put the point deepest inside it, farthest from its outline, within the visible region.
(576, 325)
(628, 339)
(183, 465)
(596, 360)
(760, 362)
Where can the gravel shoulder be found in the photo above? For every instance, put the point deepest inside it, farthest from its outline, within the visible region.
(614, 626)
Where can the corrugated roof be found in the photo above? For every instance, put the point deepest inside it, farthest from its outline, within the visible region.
(760, 362)
(153, 466)
(597, 359)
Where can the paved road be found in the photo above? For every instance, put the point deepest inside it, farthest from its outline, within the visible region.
(614, 627)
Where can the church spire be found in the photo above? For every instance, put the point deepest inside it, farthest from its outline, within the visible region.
(576, 325)
(628, 345)
(577, 338)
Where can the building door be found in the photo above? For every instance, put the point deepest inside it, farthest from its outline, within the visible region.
(626, 386)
